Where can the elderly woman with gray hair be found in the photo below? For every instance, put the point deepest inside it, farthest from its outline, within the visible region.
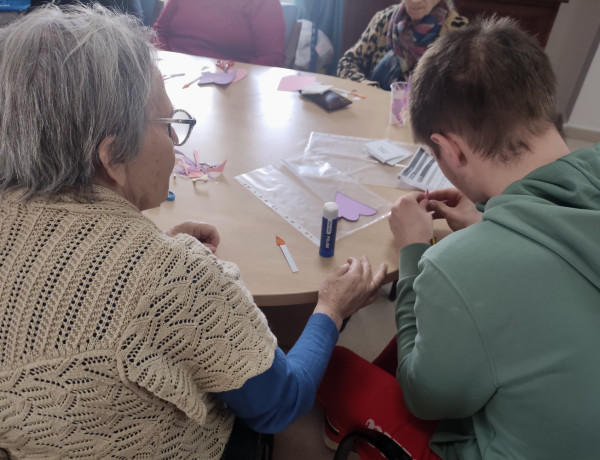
(118, 340)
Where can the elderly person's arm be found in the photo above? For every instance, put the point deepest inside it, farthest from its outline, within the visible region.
(272, 400)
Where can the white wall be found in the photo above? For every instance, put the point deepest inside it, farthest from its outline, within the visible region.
(572, 44)
(586, 113)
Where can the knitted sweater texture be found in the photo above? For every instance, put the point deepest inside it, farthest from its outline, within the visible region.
(113, 336)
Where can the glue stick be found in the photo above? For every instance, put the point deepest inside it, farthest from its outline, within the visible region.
(328, 229)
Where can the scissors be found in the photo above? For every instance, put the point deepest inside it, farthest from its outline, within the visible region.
(170, 196)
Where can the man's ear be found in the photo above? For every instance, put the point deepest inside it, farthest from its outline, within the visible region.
(115, 171)
(451, 147)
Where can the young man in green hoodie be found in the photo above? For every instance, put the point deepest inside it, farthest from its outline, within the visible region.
(499, 323)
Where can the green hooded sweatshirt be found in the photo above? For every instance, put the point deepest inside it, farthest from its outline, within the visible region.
(499, 323)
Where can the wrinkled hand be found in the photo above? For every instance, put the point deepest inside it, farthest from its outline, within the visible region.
(349, 288)
(205, 233)
(410, 221)
(452, 205)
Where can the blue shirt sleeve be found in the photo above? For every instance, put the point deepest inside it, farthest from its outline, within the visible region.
(269, 402)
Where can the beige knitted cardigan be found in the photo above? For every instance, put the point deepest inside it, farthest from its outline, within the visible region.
(113, 335)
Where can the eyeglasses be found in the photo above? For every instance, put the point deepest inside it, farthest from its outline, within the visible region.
(180, 126)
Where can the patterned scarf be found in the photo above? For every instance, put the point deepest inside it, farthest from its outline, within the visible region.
(407, 42)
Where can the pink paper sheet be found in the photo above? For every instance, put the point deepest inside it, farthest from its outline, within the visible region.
(295, 82)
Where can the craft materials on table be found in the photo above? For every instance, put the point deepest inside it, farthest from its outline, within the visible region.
(281, 243)
(295, 82)
(399, 102)
(328, 229)
(351, 209)
(349, 93)
(298, 189)
(187, 85)
(330, 165)
(424, 173)
(387, 152)
(324, 97)
(166, 77)
(194, 169)
(218, 78)
(225, 64)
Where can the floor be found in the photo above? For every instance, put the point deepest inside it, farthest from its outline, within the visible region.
(366, 334)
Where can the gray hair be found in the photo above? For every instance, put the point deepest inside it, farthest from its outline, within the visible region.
(489, 82)
(69, 78)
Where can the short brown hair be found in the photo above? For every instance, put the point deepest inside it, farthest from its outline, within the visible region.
(489, 82)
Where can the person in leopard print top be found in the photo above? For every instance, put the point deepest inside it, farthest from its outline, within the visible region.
(385, 54)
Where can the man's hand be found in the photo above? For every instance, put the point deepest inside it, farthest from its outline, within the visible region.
(409, 221)
(452, 205)
(348, 289)
(205, 233)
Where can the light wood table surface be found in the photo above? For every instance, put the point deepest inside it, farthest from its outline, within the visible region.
(252, 125)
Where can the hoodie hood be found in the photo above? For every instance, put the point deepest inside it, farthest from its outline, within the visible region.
(558, 206)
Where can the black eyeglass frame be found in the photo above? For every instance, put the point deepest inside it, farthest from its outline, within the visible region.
(191, 122)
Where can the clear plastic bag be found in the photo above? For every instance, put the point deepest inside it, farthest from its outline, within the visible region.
(346, 153)
(298, 189)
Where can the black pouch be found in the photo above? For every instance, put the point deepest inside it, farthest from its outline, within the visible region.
(329, 100)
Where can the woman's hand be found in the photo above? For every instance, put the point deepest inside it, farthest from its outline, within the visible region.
(452, 205)
(205, 233)
(410, 221)
(349, 288)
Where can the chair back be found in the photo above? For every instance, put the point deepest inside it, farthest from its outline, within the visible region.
(292, 32)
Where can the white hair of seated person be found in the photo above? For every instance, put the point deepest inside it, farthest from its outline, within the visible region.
(70, 78)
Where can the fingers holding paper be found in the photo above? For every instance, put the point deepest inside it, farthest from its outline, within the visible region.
(349, 288)
(452, 205)
(410, 221)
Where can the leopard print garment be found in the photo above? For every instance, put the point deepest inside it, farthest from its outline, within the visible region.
(359, 61)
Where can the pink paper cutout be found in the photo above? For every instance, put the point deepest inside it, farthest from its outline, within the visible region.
(239, 74)
(194, 169)
(351, 209)
(218, 78)
(295, 82)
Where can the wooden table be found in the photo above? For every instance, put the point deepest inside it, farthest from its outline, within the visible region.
(251, 125)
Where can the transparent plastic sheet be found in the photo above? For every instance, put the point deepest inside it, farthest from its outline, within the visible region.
(346, 154)
(297, 193)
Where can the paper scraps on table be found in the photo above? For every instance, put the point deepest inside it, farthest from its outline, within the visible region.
(281, 243)
(351, 209)
(295, 82)
(194, 169)
(386, 151)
